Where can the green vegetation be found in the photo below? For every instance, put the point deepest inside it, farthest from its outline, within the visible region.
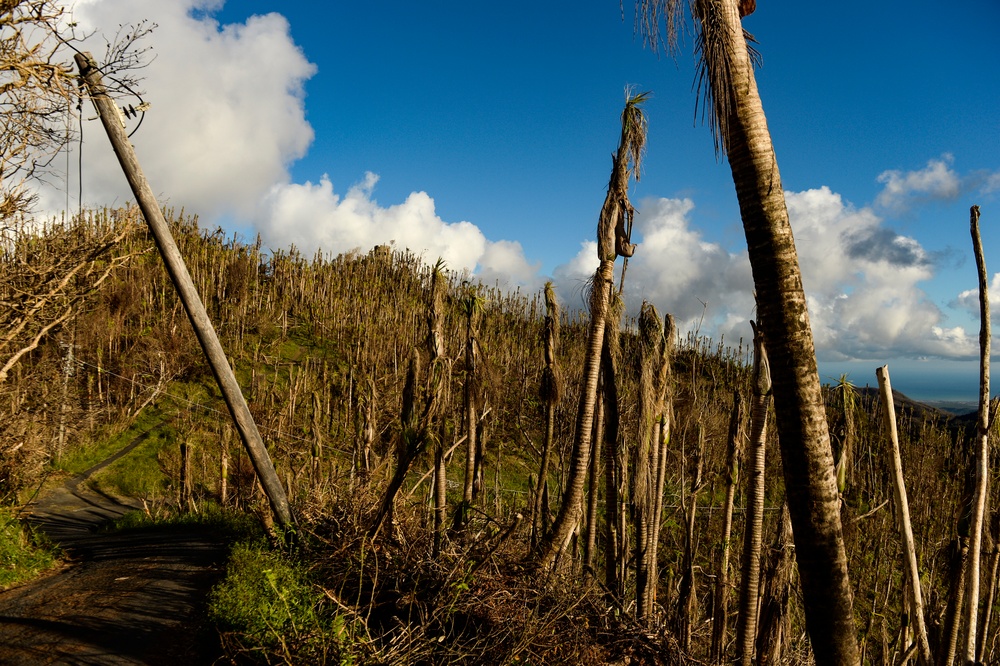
(23, 553)
(268, 606)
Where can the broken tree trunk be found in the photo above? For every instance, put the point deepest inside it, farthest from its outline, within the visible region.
(903, 512)
(193, 305)
(982, 453)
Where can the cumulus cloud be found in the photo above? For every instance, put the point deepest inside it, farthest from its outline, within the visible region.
(313, 216)
(227, 116)
(969, 299)
(937, 181)
(862, 279)
(228, 119)
(226, 123)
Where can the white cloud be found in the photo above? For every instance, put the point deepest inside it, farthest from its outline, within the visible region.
(861, 278)
(935, 181)
(313, 216)
(227, 116)
(227, 121)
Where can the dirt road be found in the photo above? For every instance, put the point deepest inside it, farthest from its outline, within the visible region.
(132, 598)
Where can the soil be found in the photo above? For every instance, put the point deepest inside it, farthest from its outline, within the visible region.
(137, 597)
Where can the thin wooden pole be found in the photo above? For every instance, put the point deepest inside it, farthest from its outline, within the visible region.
(982, 447)
(903, 511)
(181, 278)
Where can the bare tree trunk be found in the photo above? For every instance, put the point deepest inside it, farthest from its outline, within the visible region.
(775, 618)
(471, 420)
(593, 485)
(440, 497)
(734, 451)
(687, 603)
(615, 219)
(550, 392)
(982, 455)
(646, 456)
(664, 428)
(746, 625)
(990, 599)
(903, 511)
(615, 470)
(224, 476)
(953, 614)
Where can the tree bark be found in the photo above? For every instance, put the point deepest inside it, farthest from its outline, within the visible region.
(612, 230)
(746, 625)
(807, 460)
(687, 602)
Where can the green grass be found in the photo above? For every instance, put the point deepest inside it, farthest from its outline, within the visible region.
(23, 554)
(139, 473)
(89, 453)
(235, 525)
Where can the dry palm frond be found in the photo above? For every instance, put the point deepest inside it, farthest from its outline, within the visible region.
(650, 15)
(614, 228)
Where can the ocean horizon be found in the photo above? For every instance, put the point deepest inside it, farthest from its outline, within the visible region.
(949, 385)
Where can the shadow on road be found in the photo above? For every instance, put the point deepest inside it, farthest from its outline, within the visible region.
(137, 597)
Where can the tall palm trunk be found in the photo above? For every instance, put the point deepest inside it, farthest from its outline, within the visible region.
(746, 626)
(734, 452)
(807, 459)
(612, 241)
(665, 409)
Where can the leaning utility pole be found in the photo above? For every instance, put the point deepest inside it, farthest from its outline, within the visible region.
(245, 425)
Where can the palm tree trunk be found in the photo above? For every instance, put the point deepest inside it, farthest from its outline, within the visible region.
(953, 613)
(807, 460)
(720, 611)
(746, 625)
(440, 497)
(775, 619)
(556, 541)
(687, 604)
(612, 232)
(665, 409)
(590, 542)
(550, 390)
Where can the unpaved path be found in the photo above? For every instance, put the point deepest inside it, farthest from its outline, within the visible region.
(132, 598)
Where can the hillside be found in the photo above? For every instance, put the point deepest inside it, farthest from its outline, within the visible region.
(323, 347)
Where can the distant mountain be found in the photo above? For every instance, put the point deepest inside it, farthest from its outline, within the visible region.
(919, 410)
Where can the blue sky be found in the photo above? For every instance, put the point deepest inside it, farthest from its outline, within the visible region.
(483, 133)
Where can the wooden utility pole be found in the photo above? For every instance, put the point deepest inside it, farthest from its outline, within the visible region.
(245, 424)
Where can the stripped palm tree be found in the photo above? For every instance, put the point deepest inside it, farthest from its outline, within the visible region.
(727, 85)
(613, 231)
(550, 391)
